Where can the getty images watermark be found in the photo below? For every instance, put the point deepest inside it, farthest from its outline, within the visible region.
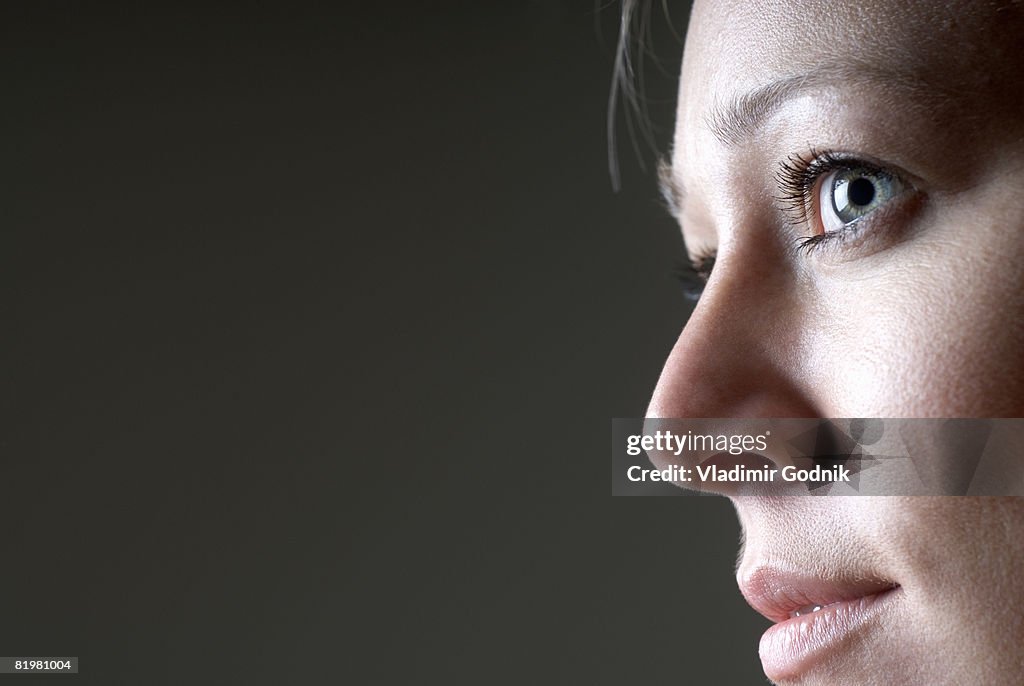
(818, 456)
(732, 445)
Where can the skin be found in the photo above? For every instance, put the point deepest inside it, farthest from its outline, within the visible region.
(919, 316)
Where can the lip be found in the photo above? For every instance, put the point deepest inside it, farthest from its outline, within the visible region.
(793, 645)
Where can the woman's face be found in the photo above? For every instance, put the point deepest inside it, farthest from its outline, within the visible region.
(856, 173)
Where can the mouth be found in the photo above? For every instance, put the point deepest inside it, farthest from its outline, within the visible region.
(816, 619)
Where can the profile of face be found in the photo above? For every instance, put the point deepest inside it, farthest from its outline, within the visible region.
(849, 178)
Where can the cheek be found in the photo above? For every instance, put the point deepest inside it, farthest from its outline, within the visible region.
(941, 340)
(874, 357)
(951, 555)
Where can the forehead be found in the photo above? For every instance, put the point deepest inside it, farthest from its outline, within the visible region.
(733, 44)
(758, 38)
(963, 54)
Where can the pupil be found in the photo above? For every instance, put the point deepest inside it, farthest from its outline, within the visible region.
(860, 192)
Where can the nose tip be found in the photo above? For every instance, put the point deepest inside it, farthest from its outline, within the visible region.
(704, 379)
(739, 355)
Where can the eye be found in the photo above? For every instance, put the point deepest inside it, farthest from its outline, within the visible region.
(828, 194)
(848, 194)
(693, 274)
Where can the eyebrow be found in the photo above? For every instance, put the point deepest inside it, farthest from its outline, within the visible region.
(739, 120)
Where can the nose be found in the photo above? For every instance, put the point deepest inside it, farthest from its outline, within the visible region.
(737, 358)
(739, 355)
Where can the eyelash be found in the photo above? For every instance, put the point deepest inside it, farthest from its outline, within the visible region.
(797, 177)
(693, 274)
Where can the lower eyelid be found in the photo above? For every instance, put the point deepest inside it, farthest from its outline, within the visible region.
(879, 230)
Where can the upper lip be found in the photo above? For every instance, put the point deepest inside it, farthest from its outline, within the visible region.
(777, 593)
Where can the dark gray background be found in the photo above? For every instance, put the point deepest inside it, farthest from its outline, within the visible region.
(314, 321)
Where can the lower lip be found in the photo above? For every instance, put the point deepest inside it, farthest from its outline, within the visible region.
(796, 645)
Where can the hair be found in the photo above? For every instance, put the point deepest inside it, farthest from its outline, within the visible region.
(628, 87)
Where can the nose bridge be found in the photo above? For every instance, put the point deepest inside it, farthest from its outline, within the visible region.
(737, 356)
